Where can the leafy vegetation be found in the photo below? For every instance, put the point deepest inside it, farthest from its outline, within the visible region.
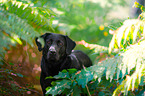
(20, 22)
(85, 21)
(85, 17)
(128, 65)
(125, 71)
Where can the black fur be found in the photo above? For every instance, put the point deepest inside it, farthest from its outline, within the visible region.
(58, 55)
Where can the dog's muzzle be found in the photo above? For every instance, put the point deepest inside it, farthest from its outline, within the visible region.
(52, 50)
(52, 53)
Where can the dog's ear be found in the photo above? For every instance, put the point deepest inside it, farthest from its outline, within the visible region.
(70, 45)
(39, 41)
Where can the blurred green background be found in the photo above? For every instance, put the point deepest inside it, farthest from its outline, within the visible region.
(23, 20)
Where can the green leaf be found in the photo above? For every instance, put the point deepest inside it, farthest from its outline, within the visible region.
(71, 71)
(62, 75)
(137, 27)
(131, 82)
(129, 33)
(142, 80)
(98, 70)
(59, 88)
(137, 5)
(111, 69)
(84, 77)
(64, 71)
(11, 63)
(120, 34)
(101, 94)
(126, 34)
(112, 43)
(144, 30)
(29, 13)
(50, 77)
(76, 91)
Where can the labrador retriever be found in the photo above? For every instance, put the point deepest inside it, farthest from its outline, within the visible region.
(58, 54)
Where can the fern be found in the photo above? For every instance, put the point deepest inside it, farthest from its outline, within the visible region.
(131, 31)
(97, 48)
(19, 24)
(132, 82)
(36, 16)
(22, 22)
(126, 63)
(119, 66)
(4, 44)
(122, 65)
(15, 26)
(13, 30)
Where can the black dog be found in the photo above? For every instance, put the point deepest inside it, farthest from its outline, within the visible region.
(58, 55)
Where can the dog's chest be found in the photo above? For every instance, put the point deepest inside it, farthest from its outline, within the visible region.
(51, 71)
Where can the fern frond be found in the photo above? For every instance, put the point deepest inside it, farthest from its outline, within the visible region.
(97, 48)
(109, 67)
(120, 66)
(131, 62)
(132, 82)
(131, 31)
(5, 43)
(15, 26)
(37, 17)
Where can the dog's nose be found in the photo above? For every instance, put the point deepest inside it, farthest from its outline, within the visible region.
(52, 50)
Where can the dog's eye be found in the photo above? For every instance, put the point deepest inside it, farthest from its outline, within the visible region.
(60, 43)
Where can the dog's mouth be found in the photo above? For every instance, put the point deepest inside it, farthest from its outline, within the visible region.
(52, 57)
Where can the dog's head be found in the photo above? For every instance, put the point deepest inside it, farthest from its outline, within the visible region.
(55, 46)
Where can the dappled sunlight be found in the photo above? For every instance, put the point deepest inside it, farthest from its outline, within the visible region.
(102, 29)
(36, 69)
(22, 60)
(17, 39)
(129, 33)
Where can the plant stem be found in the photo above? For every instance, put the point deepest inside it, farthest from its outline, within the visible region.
(88, 90)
